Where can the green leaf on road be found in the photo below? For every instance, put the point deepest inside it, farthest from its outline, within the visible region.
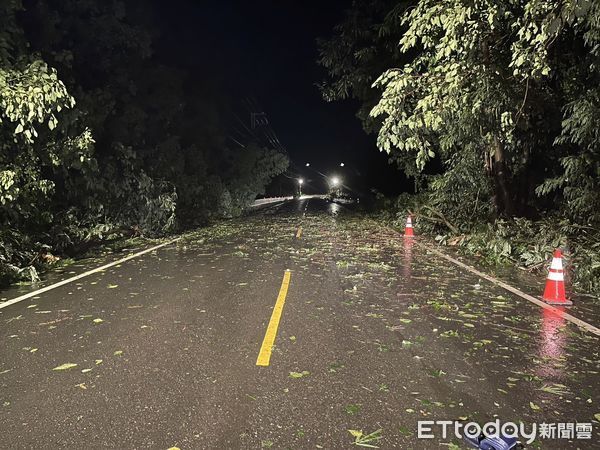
(65, 366)
(467, 315)
(449, 333)
(335, 367)
(405, 431)
(597, 417)
(304, 373)
(118, 353)
(534, 406)
(366, 440)
(437, 373)
(352, 409)
(556, 389)
(98, 320)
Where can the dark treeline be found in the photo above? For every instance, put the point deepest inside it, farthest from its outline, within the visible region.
(493, 108)
(99, 139)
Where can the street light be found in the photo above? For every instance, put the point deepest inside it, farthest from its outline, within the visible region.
(334, 186)
(307, 164)
(341, 164)
(300, 183)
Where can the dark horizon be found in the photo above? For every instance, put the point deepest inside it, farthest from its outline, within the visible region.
(268, 53)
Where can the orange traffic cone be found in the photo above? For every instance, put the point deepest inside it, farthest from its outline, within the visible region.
(554, 294)
(408, 231)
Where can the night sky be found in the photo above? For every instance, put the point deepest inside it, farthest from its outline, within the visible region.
(266, 50)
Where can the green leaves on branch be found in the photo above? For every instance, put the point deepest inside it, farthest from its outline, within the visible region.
(542, 26)
(478, 84)
(145, 150)
(31, 94)
(504, 96)
(450, 93)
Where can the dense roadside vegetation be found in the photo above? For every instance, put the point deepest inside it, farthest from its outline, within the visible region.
(493, 109)
(100, 140)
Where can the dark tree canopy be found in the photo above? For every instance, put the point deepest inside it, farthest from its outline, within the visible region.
(99, 139)
(503, 95)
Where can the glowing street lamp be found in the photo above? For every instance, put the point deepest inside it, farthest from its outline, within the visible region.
(335, 184)
(300, 183)
(341, 164)
(307, 164)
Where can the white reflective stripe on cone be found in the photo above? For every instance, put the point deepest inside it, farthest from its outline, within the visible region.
(556, 264)
(556, 276)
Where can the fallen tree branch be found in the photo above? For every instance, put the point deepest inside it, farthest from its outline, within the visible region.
(441, 219)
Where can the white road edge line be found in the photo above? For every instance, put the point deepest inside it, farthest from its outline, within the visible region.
(84, 274)
(580, 323)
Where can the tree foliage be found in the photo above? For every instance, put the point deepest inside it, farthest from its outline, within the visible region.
(503, 94)
(98, 140)
(501, 102)
(363, 46)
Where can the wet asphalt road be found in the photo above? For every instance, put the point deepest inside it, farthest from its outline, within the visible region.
(376, 334)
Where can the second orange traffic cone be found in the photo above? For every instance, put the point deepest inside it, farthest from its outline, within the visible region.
(554, 293)
(408, 230)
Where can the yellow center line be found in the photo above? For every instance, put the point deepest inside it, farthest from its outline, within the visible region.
(264, 356)
(299, 233)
